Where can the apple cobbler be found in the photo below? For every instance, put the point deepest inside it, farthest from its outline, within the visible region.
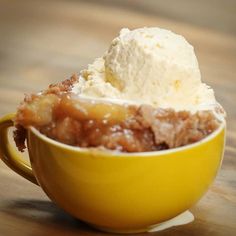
(65, 117)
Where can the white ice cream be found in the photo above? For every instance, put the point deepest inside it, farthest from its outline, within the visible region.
(148, 65)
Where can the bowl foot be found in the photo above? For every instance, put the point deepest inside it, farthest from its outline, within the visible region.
(181, 219)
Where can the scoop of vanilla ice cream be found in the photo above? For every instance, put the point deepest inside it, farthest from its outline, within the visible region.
(148, 65)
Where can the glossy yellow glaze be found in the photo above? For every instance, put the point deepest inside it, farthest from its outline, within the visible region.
(124, 192)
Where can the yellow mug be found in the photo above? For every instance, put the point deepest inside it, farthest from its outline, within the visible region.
(117, 192)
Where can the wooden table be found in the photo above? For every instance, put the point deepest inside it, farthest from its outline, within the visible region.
(42, 42)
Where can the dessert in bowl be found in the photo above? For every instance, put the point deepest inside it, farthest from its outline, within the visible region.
(134, 140)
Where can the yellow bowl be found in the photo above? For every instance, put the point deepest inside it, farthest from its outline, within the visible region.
(119, 192)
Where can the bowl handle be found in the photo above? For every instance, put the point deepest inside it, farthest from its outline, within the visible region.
(9, 155)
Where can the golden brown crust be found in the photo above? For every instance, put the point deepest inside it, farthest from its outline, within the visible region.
(64, 86)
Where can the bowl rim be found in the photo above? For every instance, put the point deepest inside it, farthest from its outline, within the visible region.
(114, 153)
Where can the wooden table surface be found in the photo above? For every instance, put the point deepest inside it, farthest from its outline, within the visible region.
(42, 42)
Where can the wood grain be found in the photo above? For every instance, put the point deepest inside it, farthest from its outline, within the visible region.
(43, 42)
